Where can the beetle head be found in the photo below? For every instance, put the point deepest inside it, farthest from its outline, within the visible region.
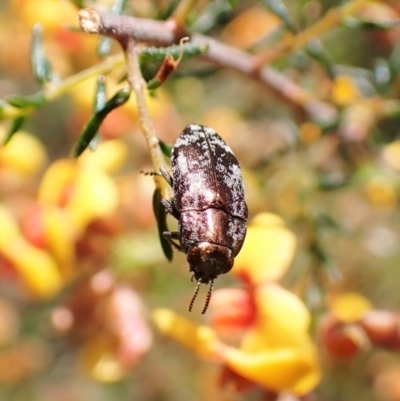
(207, 261)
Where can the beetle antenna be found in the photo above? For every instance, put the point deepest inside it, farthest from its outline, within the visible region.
(208, 297)
(196, 291)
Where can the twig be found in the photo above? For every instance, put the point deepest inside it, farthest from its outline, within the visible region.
(164, 34)
(54, 90)
(138, 85)
(122, 26)
(330, 20)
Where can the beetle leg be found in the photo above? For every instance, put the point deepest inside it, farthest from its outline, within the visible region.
(163, 172)
(149, 172)
(170, 236)
(167, 176)
(170, 208)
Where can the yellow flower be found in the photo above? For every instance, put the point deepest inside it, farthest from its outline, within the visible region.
(71, 195)
(267, 251)
(349, 306)
(345, 91)
(36, 268)
(24, 154)
(83, 187)
(275, 351)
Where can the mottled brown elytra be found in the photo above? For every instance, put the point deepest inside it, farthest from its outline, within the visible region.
(208, 203)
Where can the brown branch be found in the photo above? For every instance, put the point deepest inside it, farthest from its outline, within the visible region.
(122, 26)
(329, 21)
(138, 86)
(164, 34)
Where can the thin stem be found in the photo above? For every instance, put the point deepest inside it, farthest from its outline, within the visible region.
(330, 20)
(138, 85)
(52, 91)
(164, 34)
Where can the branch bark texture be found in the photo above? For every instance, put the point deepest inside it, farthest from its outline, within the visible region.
(159, 33)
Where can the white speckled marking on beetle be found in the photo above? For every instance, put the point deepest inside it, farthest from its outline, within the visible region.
(200, 156)
(194, 127)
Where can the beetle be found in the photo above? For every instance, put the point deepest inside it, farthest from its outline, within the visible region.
(208, 202)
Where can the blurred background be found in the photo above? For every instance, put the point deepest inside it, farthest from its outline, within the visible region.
(81, 266)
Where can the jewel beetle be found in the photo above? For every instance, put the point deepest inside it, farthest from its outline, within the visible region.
(208, 202)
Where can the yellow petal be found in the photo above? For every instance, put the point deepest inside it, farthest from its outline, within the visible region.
(9, 230)
(51, 14)
(56, 179)
(282, 320)
(268, 249)
(201, 340)
(36, 268)
(109, 156)
(24, 154)
(60, 238)
(95, 195)
(345, 91)
(381, 191)
(295, 370)
(391, 155)
(350, 306)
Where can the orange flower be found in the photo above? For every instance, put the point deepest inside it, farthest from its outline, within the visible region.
(274, 350)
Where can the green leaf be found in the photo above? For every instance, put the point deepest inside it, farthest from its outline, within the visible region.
(360, 23)
(105, 43)
(189, 50)
(382, 75)
(41, 67)
(153, 84)
(279, 9)
(168, 11)
(100, 101)
(21, 102)
(104, 46)
(325, 221)
(316, 51)
(166, 149)
(161, 218)
(394, 60)
(119, 6)
(92, 126)
(331, 181)
(232, 3)
(215, 12)
(16, 125)
(78, 3)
